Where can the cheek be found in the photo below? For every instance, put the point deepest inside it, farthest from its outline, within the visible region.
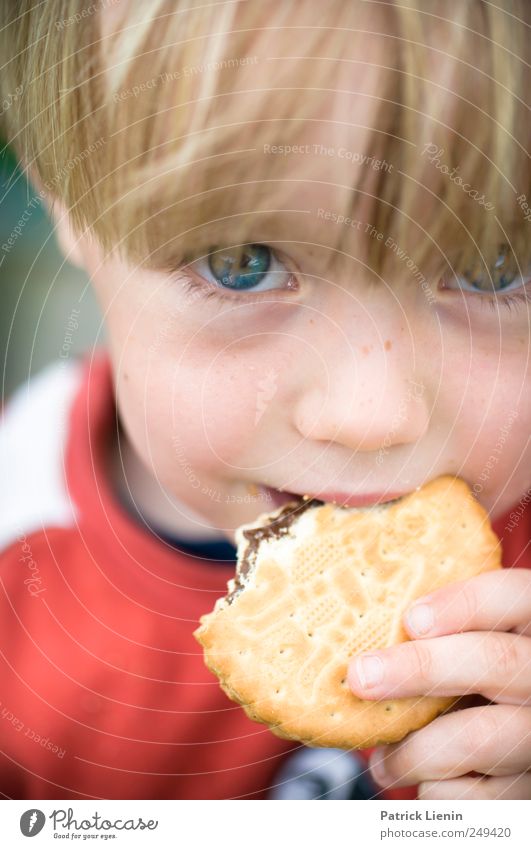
(481, 386)
(226, 394)
(208, 406)
(488, 405)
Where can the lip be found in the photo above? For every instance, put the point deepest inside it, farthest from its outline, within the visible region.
(343, 499)
(368, 499)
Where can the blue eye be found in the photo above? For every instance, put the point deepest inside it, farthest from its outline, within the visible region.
(243, 268)
(502, 274)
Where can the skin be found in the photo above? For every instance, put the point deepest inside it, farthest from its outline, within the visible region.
(341, 384)
(484, 621)
(202, 383)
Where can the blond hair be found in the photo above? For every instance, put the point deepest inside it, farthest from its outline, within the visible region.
(137, 129)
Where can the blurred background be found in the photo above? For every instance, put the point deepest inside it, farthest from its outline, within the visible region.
(47, 309)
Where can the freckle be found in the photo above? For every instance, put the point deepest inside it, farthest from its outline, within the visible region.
(365, 350)
(388, 345)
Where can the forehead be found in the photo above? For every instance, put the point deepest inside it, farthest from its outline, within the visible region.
(316, 72)
(304, 99)
(270, 122)
(314, 78)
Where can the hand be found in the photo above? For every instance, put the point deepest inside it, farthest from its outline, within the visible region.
(493, 658)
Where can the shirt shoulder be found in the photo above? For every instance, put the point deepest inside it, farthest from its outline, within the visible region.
(33, 437)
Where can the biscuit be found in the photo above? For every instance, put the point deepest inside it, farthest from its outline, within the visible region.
(317, 584)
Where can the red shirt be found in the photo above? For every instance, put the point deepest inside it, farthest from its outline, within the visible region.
(103, 689)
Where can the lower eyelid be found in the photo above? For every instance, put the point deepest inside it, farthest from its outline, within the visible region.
(513, 300)
(205, 290)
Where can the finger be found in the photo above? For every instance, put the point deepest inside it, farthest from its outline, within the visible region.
(493, 740)
(484, 787)
(493, 601)
(495, 665)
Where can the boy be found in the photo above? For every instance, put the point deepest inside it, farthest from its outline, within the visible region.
(307, 232)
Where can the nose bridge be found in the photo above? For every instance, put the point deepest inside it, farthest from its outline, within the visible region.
(370, 394)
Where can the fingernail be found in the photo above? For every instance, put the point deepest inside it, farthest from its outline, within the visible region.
(370, 670)
(420, 619)
(377, 767)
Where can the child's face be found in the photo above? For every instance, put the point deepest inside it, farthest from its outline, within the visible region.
(317, 378)
(337, 386)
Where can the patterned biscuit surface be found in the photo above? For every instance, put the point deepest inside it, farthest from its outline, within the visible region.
(335, 584)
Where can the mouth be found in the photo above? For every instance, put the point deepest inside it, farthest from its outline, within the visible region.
(279, 498)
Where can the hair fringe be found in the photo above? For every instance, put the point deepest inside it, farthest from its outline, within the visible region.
(152, 176)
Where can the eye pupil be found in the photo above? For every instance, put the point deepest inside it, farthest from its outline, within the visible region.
(242, 267)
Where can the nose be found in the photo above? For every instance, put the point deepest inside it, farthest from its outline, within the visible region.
(367, 399)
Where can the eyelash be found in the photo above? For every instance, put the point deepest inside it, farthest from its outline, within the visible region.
(206, 291)
(512, 301)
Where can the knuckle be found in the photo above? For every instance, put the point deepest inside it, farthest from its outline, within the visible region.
(501, 655)
(423, 660)
(468, 602)
(481, 733)
(405, 760)
(471, 737)
(489, 731)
